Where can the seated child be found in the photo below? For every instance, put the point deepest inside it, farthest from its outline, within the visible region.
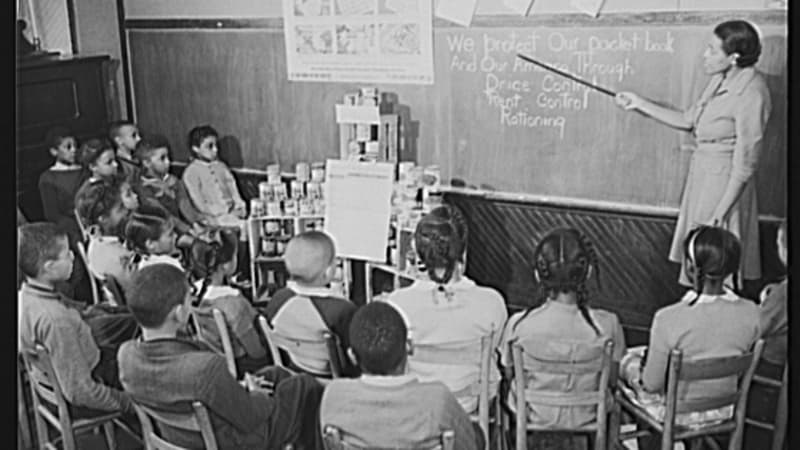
(774, 313)
(104, 207)
(307, 307)
(211, 264)
(167, 372)
(150, 233)
(97, 158)
(86, 375)
(210, 183)
(446, 295)
(709, 321)
(156, 185)
(59, 183)
(125, 135)
(564, 260)
(387, 407)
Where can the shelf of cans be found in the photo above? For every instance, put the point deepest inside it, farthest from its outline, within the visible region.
(301, 196)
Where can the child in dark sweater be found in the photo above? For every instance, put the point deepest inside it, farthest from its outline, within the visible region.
(59, 183)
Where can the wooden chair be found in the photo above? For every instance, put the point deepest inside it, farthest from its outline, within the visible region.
(334, 440)
(778, 426)
(114, 290)
(225, 338)
(94, 283)
(471, 353)
(81, 226)
(197, 420)
(47, 397)
(23, 423)
(326, 347)
(527, 359)
(680, 371)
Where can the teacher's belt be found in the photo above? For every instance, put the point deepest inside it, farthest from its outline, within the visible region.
(714, 148)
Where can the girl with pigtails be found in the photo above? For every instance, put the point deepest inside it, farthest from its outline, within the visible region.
(445, 306)
(711, 320)
(564, 261)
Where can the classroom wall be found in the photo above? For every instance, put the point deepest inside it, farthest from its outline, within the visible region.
(151, 9)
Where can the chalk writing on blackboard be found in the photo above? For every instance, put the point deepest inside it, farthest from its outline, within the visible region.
(525, 95)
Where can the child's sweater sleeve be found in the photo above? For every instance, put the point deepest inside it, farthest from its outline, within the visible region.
(193, 181)
(186, 206)
(238, 202)
(74, 372)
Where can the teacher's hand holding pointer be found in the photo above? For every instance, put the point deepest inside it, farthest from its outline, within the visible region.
(727, 121)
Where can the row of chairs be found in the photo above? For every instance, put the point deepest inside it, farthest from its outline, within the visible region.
(50, 407)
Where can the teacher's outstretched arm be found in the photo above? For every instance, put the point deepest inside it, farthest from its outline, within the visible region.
(668, 116)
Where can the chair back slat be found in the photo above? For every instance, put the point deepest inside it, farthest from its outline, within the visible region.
(94, 283)
(679, 370)
(197, 420)
(463, 353)
(217, 320)
(532, 355)
(326, 347)
(335, 439)
(704, 404)
(710, 368)
(558, 398)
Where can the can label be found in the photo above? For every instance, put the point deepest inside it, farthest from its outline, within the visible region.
(256, 207)
(274, 208)
(265, 192)
(290, 207)
(296, 189)
(302, 172)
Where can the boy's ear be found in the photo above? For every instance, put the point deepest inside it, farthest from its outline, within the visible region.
(53, 152)
(352, 356)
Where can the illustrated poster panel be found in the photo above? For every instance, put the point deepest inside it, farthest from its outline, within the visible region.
(360, 41)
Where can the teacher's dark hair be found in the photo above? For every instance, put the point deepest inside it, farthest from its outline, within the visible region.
(739, 36)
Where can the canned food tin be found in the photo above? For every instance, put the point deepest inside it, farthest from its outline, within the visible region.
(296, 189)
(272, 226)
(265, 192)
(279, 192)
(256, 207)
(274, 208)
(290, 207)
(306, 207)
(318, 172)
(302, 171)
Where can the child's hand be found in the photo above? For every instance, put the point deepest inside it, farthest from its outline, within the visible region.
(184, 241)
(628, 100)
(198, 228)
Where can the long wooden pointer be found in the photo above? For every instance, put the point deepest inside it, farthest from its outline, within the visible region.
(566, 75)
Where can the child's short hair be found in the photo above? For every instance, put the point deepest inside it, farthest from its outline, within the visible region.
(96, 199)
(37, 243)
(113, 129)
(378, 338)
(197, 134)
(156, 290)
(148, 144)
(92, 149)
(148, 224)
(308, 254)
(56, 135)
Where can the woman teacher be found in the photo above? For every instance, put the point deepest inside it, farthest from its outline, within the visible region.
(728, 122)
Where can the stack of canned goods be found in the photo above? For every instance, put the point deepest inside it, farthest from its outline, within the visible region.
(303, 198)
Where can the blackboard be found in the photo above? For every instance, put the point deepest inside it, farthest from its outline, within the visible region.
(489, 120)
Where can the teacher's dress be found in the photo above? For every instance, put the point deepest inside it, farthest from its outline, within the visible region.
(729, 120)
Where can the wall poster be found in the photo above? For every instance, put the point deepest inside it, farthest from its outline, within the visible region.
(361, 41)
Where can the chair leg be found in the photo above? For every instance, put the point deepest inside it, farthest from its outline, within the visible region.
(111, 439)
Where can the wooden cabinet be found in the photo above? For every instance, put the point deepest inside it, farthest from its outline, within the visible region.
(78, 92)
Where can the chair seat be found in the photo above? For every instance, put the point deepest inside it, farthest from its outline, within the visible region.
(681, 431)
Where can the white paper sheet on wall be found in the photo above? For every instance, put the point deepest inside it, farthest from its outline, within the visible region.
(458, 11)
(590, 7)
(358, 199)
(521, 7)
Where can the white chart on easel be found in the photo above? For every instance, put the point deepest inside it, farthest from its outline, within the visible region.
(358, 199)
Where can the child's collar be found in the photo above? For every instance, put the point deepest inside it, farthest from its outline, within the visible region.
(123, 152)
(310, 291)
(61, 166)
(40, 286)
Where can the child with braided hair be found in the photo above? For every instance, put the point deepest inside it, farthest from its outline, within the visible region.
(564, 261)
(211, 264)
(447, 307)
(711, 320)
